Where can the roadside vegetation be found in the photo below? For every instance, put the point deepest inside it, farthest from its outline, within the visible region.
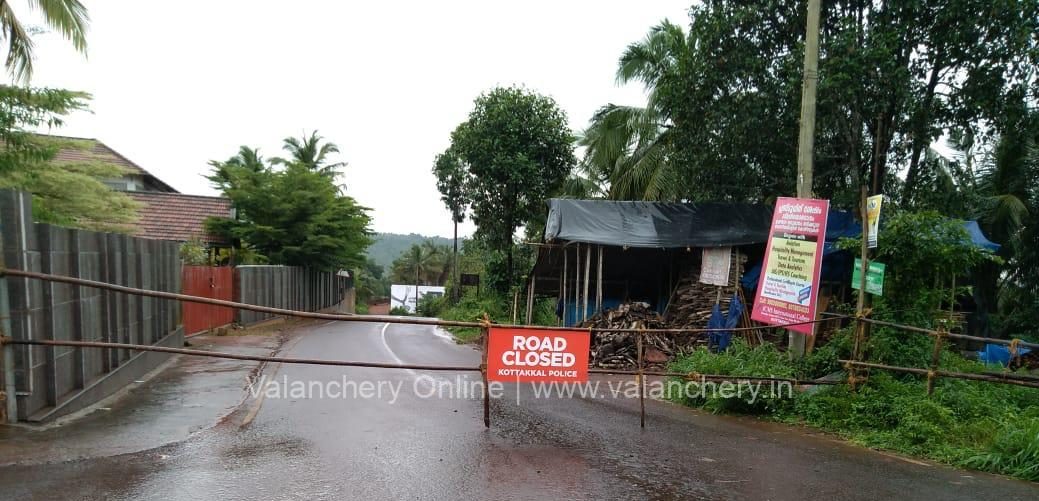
(986, 426)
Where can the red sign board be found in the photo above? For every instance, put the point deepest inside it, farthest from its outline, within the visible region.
(789, 282)
(529, 355)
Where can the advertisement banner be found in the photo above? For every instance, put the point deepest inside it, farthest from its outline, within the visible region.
(714, 268)
(873, 219)
(528, 355)
(789, 282)
(874, 277)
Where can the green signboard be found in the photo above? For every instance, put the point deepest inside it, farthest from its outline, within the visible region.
(874, 277)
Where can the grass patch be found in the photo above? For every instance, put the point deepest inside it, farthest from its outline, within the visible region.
(985, 426)
(472, 307)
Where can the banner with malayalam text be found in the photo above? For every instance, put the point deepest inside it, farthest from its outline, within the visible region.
(789, 283)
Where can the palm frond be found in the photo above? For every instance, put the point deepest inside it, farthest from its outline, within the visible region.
(69, 17)
(19, 45)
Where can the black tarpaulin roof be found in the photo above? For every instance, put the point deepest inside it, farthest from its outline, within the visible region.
(657, 224)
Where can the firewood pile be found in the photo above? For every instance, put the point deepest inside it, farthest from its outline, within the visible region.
(618, 350)
(1029, 361)
(692, 301)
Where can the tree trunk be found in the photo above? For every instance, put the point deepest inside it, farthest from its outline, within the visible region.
(456, 272)
(920, 139)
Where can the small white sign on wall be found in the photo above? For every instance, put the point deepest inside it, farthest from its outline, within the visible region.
(714, 269)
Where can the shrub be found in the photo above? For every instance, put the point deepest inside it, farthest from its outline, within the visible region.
(431, 305)
(739, 360)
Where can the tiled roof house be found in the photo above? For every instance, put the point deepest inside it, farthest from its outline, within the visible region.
(165, 214)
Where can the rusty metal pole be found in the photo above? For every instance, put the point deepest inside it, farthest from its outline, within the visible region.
(483, 371)
(642, 380)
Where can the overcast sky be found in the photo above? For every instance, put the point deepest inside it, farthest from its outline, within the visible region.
(176, 85)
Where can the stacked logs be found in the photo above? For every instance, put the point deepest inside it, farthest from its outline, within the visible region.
(692, 301)
(618, 350)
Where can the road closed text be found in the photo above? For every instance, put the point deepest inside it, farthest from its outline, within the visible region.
(522, 355)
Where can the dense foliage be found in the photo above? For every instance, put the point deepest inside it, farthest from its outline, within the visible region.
(516, 150)
(294, 213)
(70, 193)
(965, 422)
(929, 102)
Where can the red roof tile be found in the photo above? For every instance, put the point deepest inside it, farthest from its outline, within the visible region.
(175, 216)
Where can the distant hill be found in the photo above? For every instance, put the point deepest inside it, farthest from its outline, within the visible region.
(389, 246)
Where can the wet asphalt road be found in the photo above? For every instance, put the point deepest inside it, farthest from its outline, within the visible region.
(401, 445)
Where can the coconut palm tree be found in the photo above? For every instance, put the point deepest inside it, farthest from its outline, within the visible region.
(68, 17)
(627, 148)
(311, 151)
(247, 158)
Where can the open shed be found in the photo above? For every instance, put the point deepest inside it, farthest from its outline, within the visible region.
(597, 254)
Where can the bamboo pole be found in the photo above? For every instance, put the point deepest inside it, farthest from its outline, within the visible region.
(563, 285)
(587, 269)
(577, 286)
(598, 285)
(991, 378)
(530, 297)
(641, 380)
(483, 372)
(936, 355)
(860, 324)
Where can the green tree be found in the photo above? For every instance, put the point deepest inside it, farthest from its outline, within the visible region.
(370, 281)
(68, 17)
(628, 148)
(425, 264)
(894, 76)
(518, 151)
(68, 193)
(312, 153)
(451, 180)
(293, 216)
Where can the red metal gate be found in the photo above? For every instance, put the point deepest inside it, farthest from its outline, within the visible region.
(206, 281)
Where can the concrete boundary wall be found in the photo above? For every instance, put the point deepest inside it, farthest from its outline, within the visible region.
(53, 381)
(290, 287)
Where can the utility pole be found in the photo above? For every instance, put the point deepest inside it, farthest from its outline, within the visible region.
(806, 140)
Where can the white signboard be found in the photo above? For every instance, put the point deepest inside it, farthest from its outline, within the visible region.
(405, 295)
(714, 269)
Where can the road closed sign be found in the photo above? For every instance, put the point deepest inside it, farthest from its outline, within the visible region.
(529, 355)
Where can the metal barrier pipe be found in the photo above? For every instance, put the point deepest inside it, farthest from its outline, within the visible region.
(991, 378)
(359, 318)
(235, 356)
(932, 332)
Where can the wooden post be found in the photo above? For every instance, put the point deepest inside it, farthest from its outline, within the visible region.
(587, 269)
(577, 286)
(563, 287)
(936, 355)
(860, 324)
(483, 371)
(515, 305)
(641, 380)
(598, 285)
(530, 298)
